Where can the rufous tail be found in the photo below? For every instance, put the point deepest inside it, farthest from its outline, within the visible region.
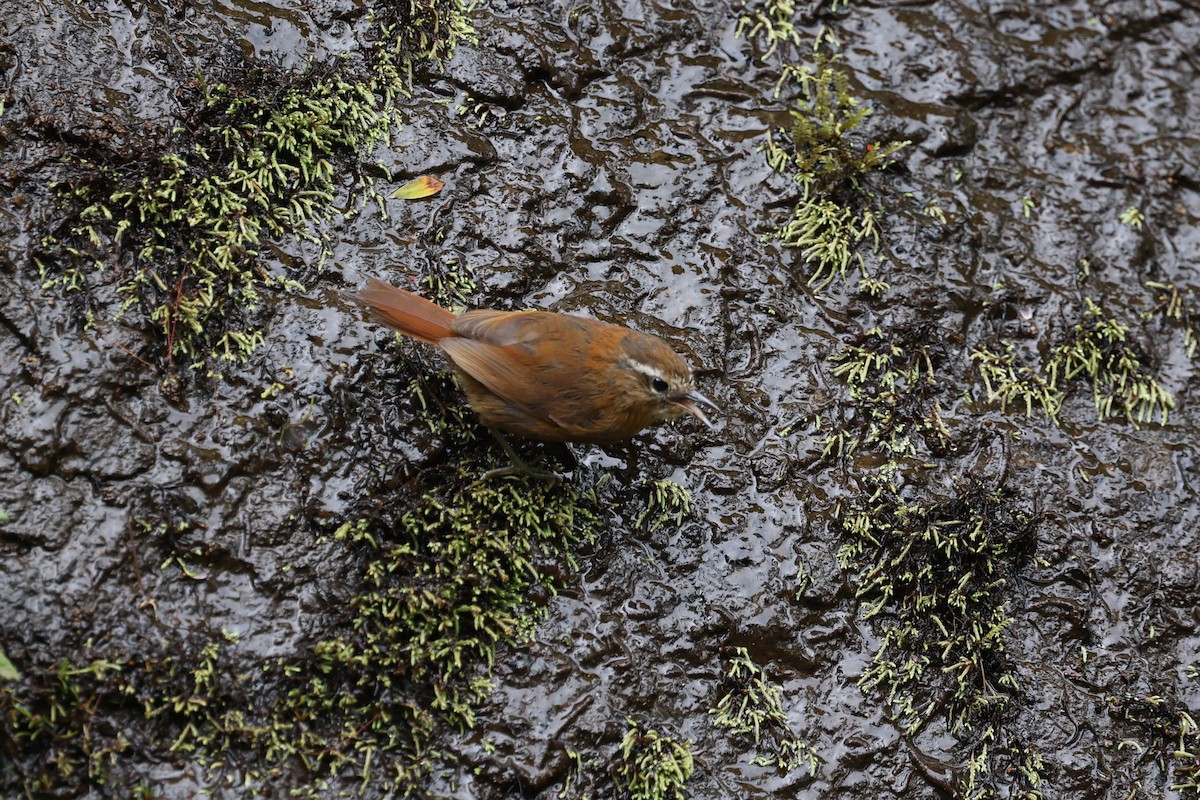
(408, 313)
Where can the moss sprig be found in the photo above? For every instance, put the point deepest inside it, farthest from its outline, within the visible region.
(752, 706)
(1011, 382)
(654, 766)
(834, 217)
(454, 583)
(1099, 349)
(667, 503)
(935, 575)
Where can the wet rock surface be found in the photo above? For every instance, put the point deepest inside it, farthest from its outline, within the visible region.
(601, 160)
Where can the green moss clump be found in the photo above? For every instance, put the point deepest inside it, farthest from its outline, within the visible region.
(775, 22)
(936, 574)
(75, 722)
(1097, 349)
(453, 583)
(424, 31)
(894, 389)
(935, 577)
(752, 706)
(1013, 383)
(183, 230)
(444, 587)
(654, 766)
(993, 772)
(195, 218)
(47, 732)
(834, 217)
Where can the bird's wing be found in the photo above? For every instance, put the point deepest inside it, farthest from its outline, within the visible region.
(504, 328)
(497, 348)
(492, 366)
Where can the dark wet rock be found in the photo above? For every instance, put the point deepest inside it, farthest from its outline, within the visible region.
(97, 444)
(615, 175)
(52, 513)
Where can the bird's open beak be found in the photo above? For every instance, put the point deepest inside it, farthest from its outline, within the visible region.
(688, 403)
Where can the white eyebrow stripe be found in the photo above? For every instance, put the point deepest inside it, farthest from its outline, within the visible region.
(645, 369)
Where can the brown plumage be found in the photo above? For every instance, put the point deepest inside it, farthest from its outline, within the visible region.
(544, 375)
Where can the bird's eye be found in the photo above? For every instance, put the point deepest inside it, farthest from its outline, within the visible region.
(659, 385)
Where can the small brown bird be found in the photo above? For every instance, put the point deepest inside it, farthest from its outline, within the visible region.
(548, 376)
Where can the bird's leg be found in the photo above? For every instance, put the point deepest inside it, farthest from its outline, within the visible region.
(516, 466)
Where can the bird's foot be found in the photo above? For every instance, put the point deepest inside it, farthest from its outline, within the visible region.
(520, 468)
(516, 465)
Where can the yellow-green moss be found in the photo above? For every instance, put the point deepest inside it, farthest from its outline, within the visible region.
(654, 766)
(834, 217)
(894, 390)
(752, 706)
(182, 230)
(1097, 349)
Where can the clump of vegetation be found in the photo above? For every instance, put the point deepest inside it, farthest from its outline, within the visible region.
(422, 32)
(455, 584)
(1178, 306)
(654, 766)
(752, 706)
(834, 216)
(1013, 383)
(770, 20)
(894, 388)
(182, 231)
(439, 590)
(1099, 349)
(1174, 736)
(936, 574)
(668, 502)
(935, 577)
(193, 224)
